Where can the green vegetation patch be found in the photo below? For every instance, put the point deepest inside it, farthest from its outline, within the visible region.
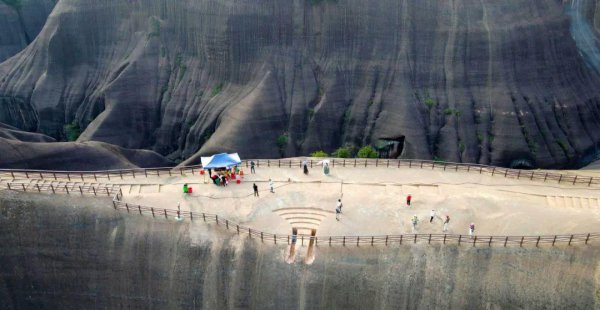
(367, 152)
(319, 153)
(72, 131)
(217, 89)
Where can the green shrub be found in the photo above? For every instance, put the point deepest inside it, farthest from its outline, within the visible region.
(429, 103)
(342, 152)
(319, 153)
(367, 152)
(217, 89)
(282, 142)
(72, 131)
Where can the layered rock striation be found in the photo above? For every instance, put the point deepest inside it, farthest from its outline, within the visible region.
(492, 82)
(58, 254)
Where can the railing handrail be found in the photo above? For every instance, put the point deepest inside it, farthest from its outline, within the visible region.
(512, 239)
(356, 162)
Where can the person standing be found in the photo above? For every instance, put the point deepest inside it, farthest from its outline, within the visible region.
(337, 213)
(305, 166)
(408, 199)
(446, 221)
(252, 167)
(339, 205)
(271, 186)
(255, 190)
(414, 221)
(471, 229)
(432, 215)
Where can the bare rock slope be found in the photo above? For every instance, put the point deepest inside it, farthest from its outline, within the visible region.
(20, 23)
(491, 82)
(79, 253)
(26, 150)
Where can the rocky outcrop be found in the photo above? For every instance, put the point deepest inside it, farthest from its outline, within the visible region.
(474, 81)
(75, 156)
(78, 253)
(12, 133)
(20, 23)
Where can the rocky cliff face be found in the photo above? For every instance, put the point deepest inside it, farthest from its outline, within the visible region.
(62, 255)
(20, 23)
(475, 81)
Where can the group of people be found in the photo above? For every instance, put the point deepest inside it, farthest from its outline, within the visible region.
(414, 219)
(432, 214)
(222, 176)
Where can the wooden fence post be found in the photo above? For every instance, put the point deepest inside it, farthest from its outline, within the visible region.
(152, 209)
(444, 238)
(94, 190)
(459, 238)
(140, 209)
(275, 238)
(344, 241)
(38, 187)
(329, 240)
(587, 238)
(237, 227)
(521, 244)
(386, 240)
(67, 190)
(490, 243)
(505, 241)
(575, 180)
(24, 188)
(537, 242)
(166, 213)
(127, 207)
(570, 239)
(51, 186)
(114, 204)
(357, 240)
(554, 240)
(474, 240)
(372, 240)
(429, 241)
(81, 190)
(415, 238)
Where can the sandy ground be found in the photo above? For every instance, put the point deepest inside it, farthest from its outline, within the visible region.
(374, 201)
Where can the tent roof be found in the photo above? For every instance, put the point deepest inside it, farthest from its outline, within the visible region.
(222, 160)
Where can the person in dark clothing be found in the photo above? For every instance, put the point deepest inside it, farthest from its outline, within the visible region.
(255, 190)
(252, 167)
(209, 173)
(408, 199)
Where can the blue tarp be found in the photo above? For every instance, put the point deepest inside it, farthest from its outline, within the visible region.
(222, 160)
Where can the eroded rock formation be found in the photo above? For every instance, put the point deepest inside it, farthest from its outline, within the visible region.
(78, 253)
(490, 82)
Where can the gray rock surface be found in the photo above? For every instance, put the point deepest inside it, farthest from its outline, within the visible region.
(12, 133)
(74, 156)
(20, 23)
(491, 82)
(59, 255)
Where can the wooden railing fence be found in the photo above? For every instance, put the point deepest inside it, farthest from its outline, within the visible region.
(535, 175)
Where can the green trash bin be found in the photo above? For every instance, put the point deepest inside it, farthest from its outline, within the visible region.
(185, 188)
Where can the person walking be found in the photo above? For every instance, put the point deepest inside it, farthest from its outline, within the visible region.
(414, 221)
(305, 166)
(271, 186)
(432, 215)
(252, 167)
(339, 205)
(337, 213)
(446, 221)
(471, 229)
(408, 199)
(255, 190)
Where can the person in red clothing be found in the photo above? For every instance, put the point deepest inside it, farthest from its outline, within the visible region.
(408, 199)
